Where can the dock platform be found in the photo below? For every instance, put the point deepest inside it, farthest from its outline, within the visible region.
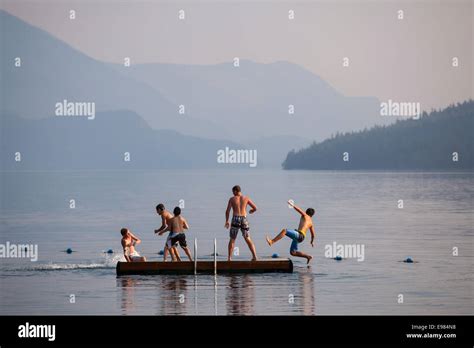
(209, 267)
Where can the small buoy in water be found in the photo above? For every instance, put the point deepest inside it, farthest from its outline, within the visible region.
(338, 258)
(69, 250)
(274, 256)
(110, 251)
(408, 260)
(161, 252)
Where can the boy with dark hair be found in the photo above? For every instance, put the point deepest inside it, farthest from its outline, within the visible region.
(299, 234)
(166, 216)
(177, 225)
(238, 203)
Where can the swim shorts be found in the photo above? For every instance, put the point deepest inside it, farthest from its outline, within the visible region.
(135, 256)
(296, 236)
(178, 238)
(239, 222)
(168, 241)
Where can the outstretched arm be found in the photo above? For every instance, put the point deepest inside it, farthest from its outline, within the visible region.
(298, 209)
(227, 213)
(163, 225)
(253, 206)
(313, 234)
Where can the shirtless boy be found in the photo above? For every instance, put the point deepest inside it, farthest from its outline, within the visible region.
(299, 234)
(129, 240)
(238, 203)
(177, 225)
(166, 216)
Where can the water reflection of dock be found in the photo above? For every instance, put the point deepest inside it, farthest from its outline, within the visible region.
(173, 296)
(249, 294)
(127, 300)
(231, 294)
(240, 299)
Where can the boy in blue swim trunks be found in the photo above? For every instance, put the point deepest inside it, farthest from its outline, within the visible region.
(298, 235)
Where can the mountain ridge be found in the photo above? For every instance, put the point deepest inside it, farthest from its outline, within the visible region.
(441, 140)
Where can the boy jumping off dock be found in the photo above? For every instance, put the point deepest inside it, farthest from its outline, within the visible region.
(299, 234)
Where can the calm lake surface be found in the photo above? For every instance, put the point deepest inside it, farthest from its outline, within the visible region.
(351, 208)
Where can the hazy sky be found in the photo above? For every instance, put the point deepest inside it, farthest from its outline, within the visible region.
(402, 60)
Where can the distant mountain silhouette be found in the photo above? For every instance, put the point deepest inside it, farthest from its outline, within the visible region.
(424, 144)
(221, 101)
(52, 71)
(72, 143)
(272, 150)
(252, 100)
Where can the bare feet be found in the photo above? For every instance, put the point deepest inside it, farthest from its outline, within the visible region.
(269, 241)
(309, 258)
(254, 259)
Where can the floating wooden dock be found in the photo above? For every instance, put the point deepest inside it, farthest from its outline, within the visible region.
(210, 267)
(206, 266)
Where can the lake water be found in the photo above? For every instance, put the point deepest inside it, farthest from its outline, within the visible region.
(351, 208)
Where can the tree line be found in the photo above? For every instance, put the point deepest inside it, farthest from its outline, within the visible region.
(440, 140)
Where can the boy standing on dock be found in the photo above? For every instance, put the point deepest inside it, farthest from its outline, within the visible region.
(299, 234)
(166, 217)
(238, 203)
(177, 225)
